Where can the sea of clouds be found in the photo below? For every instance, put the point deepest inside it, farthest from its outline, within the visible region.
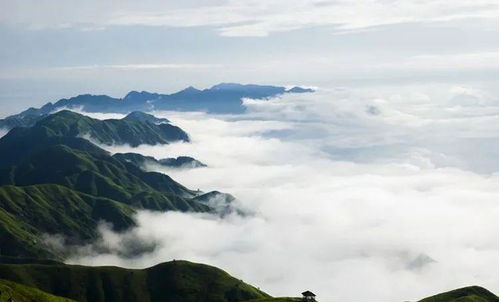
(356, 196)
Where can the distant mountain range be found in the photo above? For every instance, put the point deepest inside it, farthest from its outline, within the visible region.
(221, 98)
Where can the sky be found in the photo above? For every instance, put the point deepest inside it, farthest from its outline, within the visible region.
(54, 48)
(381, 186)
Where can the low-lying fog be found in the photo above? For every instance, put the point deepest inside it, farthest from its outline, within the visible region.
(386, 198)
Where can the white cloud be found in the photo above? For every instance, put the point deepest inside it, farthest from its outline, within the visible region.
(95, 115)
(136, 67)
(3, 132)
(345, 198)
(247, 18)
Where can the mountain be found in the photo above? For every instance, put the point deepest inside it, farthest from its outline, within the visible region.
(182, 162)
(297, 89)
(87, 102)
(220, 202)
(144, 117)
(136, 159)
(50, 281)
(466, 294)
(23, 293)
(29, 212)
(135, 98)
(54, 183)
(221, 98)
(17, 120)
(132, 130)
(100, 175)
(68, 128)
(171, 281)
(141, 161)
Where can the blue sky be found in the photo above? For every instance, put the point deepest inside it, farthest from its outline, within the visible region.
(54, 49)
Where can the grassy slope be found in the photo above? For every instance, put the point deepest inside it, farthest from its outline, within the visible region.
(98, 187)
(171, 281)
(141, 161)
(113, 131)
(101, 175)
(27, 212)
(67, 128)
(22, 293)
(466, 294)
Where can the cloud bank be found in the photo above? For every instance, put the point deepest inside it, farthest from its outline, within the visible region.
(3, 132)
(246, 18)
(355, 197)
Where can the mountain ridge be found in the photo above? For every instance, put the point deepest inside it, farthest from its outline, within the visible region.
(53, 182)
(176, 280)
(70, 128)
(220, 98)
(171, 162)
(169, 281)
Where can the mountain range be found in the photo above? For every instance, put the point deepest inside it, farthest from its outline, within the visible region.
(30, 280)
(53, 180)
(171, 162)
(221, 98)
(172, 281)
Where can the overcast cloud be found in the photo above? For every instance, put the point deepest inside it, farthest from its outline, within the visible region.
(65, 48)
(352, 196)
(245, 18)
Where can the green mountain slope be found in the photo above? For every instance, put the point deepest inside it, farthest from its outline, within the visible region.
(144, 117)
(22, 293)
(140, 161)
(65, 191)
(21, 143)
(171, 281)
(36, 280)
(28, 212)
(68, 128)
(131, 131)
(101, 175)
(466, 294)
(58, 184)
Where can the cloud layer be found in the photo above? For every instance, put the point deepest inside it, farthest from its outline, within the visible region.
(246, 18)
(383, 198)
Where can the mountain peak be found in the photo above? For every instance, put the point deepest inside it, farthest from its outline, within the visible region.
(131, 94)
(226, 86)
(142, 96)
(145, 117)
(297, 89)
(190, 89)
(64, 113)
